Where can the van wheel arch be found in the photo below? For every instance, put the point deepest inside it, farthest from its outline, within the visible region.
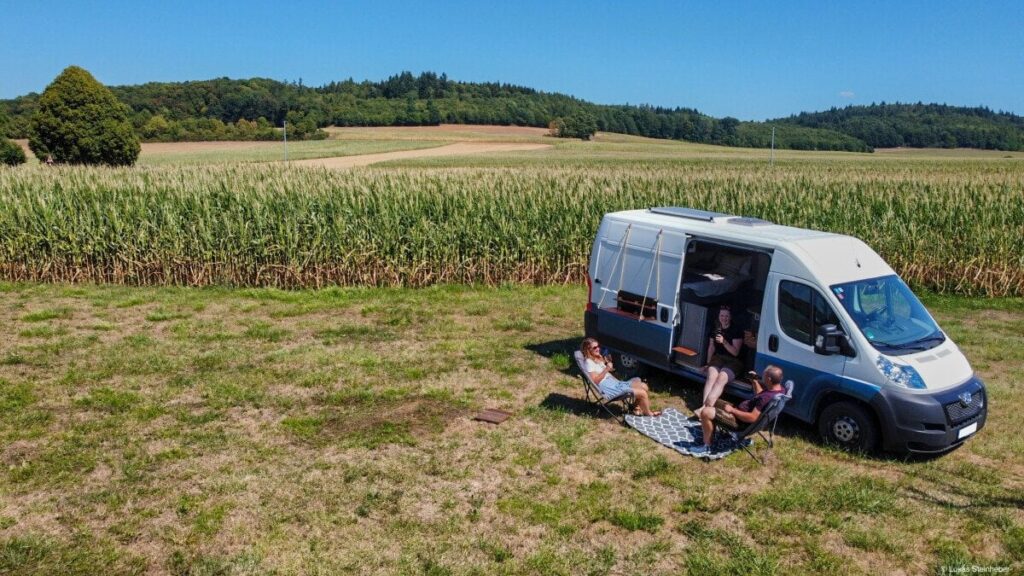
(847, 422)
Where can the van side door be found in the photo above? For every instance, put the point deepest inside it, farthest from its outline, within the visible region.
(634, 297)
(795, 312)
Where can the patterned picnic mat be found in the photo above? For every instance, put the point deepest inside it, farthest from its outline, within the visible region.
(675, 430)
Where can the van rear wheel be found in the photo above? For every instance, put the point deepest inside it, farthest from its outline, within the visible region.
(848, 426)
(628, 365)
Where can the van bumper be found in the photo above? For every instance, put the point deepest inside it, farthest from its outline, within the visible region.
(931, 423)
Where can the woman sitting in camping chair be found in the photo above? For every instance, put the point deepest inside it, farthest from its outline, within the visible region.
(600, 370)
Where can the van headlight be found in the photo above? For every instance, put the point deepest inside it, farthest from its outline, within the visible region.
(899, 374)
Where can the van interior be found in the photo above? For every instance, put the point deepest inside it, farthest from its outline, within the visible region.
(715, 275)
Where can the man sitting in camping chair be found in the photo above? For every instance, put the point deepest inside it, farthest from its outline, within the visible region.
(747, 412)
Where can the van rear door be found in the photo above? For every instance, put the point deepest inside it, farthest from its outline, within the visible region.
(635, 271)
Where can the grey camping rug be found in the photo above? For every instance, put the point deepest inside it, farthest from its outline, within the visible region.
(676, 431)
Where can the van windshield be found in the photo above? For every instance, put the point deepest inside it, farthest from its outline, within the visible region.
(889, 315)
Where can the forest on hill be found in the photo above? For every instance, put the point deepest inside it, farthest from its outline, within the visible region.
(253, 109)
(920, 126)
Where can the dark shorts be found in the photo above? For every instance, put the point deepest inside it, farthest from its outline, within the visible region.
(730, 363)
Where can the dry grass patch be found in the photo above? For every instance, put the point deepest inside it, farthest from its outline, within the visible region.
(264, 431)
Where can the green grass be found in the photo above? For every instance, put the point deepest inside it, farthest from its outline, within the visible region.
(296, 432)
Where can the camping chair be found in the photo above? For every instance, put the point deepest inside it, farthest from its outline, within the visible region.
(766, 421)
(594, 393)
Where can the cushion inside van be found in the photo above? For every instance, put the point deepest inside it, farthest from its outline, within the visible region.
(734, 264)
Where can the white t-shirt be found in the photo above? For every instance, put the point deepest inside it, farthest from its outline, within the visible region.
(595, 366)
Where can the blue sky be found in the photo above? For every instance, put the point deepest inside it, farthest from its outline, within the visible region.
(750, 60)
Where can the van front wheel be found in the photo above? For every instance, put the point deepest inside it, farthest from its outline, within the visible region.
(848, 426)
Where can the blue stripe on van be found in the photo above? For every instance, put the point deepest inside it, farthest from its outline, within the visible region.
(641, 334)
(810, 383)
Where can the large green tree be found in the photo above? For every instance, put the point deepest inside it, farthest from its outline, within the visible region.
(580, 125)
(79, 121)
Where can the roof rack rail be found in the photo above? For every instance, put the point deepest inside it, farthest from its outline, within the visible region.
(691, 213)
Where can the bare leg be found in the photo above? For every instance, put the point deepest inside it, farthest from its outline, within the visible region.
(717, 388)
(707, 423)
(643, 401)
(708, 382)
(709, 385)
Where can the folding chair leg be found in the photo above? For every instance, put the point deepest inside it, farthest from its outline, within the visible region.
(756, 459)
(621, 418)
(771, 433)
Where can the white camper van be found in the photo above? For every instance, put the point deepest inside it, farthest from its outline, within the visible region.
(869, 363)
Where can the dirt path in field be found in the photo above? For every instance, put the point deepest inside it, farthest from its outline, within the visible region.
(457, 149)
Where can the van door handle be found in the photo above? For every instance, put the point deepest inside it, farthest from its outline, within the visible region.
(773, 343)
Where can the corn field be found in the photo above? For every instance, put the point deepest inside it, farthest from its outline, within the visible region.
(951, 226)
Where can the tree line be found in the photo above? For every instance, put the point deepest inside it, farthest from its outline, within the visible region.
(255, 109)
(920, 126)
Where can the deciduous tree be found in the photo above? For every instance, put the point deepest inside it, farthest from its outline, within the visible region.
(79, 121)
(10, 153)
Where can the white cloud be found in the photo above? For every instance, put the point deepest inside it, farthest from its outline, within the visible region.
(848, 94)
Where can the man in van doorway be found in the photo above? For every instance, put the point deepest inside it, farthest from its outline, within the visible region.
(746, 412)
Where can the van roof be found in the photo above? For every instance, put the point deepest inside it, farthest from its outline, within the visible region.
(836, 258)
(720, 225)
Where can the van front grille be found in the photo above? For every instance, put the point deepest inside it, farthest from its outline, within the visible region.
(959, 412)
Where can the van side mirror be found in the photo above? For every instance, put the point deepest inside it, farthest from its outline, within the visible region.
(831, 340)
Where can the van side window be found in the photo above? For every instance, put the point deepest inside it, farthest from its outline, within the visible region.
(802, 311)
(823, 313)
(795, 313)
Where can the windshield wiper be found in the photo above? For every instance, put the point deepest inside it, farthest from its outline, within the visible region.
(913, 345)
(877, 343)
(937, 336)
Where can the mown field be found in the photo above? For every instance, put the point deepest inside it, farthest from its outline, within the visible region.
(953, 226)
(256, 431)
(232, 428)
(206, 153)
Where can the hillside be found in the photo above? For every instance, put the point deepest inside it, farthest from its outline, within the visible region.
(920, 126)
(226, 109)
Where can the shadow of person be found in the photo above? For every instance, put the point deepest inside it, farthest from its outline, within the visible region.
(575, 406)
